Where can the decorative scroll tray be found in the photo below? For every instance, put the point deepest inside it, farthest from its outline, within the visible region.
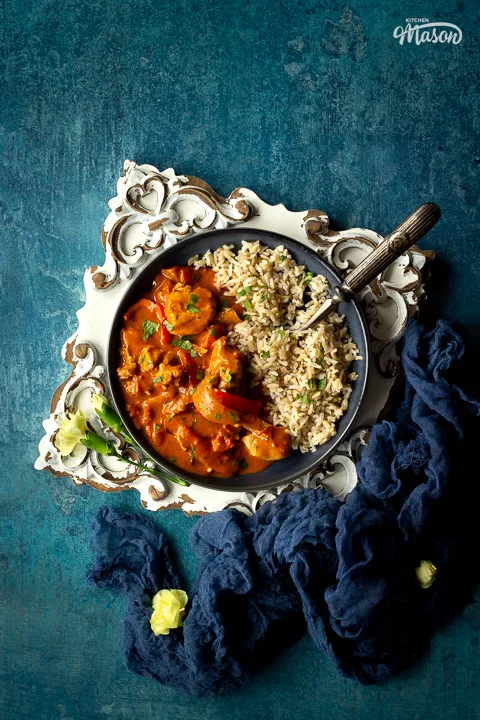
(154, 210)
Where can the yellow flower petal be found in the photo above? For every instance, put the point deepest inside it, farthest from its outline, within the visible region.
(426, 573)
(72, 430)
(168, 611)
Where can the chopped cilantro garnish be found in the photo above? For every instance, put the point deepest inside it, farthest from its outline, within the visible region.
(282, 333)
(230, 377)
(233, 416)
(225, 304)
(262, 299)
(247, 305)
(265, 354)
(157, 428)
(200, 374)
(213, 332)
(192, 454)
(149, 328)
(245, 290)
(236, 462)
(144, 359)
(217, 416)
(211, 380)
(244, 464)
(158, 379)
(307, 278)
(304, 398)
(183, 342)
(173, 459)
(168, 325)
(323, 350)
(322, 383)
(191, 304)
(283, 257)
(193, 352)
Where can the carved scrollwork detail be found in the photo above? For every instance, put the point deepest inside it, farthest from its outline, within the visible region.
(155, 208)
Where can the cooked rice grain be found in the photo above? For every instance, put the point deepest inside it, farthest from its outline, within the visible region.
(305, 375)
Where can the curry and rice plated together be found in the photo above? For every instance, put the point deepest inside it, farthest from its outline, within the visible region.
(212, 373)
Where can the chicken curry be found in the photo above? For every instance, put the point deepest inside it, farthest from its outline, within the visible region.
(185, 387)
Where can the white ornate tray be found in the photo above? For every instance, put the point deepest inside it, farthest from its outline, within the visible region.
(152, 211)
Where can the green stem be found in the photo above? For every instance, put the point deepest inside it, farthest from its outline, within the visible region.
(163, 476)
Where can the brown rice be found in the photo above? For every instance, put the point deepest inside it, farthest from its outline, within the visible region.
(305, 375)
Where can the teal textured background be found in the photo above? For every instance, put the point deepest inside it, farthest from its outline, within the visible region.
(276, 96)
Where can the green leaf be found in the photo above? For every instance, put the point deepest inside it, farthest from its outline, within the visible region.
(322, 383)
(217, 416)
(149, 328)
(245, 290)
(225, 304)
(157, 427)
(158, 379)
(230, 377)
(247, 305)
(192, 454)
(307, 278)
(323, 350)
(200, 374)
(265, 354)
(265, 297)
(168, 325)
(282, 333)
(191, 304)
(183, 342)
(193, 352)
(173, 459)
(213, 332)
(233, 416)
(244, 464)
(283, 257)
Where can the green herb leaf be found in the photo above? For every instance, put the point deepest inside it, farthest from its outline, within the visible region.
(158, 379)
(193, 352)
(244, 464)
(233, 416)
(230, 377)
(245, 290)
(183, 342)
(200, 374)
(282, 333)
(173, 459)
(213, 332)
(322, 383)
(149, 328)
(225, 304)
(217, 416)
(236, 462)
(283, 257)
(157, 427)
(191, 304)
(168, 325)
(265, 297)
(323, 350)
(192, 454)
(265, 354)
(307, 278)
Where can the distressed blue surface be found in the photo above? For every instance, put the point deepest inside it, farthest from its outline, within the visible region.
(276, 96)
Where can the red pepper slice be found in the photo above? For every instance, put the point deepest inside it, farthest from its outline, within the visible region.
(186, 275)
(165, 335)
(191, 367)
(236, 402)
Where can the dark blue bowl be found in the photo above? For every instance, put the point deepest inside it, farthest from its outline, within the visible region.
(282, 471)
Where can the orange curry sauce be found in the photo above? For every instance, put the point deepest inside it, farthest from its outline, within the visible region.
(185, 388)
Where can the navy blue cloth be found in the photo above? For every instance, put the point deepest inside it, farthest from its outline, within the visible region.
(305, 561)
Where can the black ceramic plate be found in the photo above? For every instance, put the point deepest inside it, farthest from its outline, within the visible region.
(297, 463)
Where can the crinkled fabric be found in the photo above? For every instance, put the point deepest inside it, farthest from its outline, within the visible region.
(305, 561)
